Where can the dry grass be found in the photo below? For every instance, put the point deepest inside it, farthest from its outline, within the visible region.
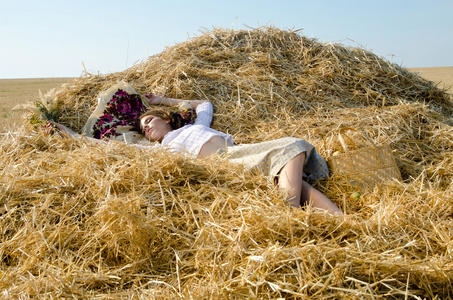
(86, 221)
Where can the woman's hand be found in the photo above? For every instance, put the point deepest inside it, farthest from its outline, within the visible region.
(65, 131)
(161, 100)
(155, 99)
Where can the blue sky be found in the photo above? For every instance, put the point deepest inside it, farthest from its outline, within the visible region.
(58, 38)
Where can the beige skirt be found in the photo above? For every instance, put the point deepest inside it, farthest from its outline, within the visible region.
(271, 156)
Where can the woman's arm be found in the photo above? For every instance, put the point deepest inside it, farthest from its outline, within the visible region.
(161, 100)
(66, 132)
(203, 108)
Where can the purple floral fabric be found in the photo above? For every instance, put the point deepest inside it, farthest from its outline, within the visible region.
(123, 109)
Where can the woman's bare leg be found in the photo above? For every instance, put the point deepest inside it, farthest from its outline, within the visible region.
(318, 199)
(291, 179)
(299, 191)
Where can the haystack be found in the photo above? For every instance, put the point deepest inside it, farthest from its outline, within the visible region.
(92, 221)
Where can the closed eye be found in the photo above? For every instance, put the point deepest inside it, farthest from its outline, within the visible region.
(145, 122)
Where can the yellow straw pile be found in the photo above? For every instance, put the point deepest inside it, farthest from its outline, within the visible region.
(81, 220)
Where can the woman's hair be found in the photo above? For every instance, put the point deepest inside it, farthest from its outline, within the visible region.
(177, 119)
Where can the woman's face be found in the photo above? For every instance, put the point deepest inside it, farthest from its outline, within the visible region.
(155, 128)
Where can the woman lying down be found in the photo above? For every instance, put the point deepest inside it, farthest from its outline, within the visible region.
(286, 159)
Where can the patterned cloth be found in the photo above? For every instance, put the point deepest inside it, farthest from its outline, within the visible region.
(123, 109)
(116, 115)
(270, 157)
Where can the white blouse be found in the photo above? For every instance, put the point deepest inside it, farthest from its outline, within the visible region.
(191, 138)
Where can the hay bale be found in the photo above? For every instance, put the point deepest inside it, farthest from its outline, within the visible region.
(91, 221)
(263, 74)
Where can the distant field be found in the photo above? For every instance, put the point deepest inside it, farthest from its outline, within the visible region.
(444, 75)
(20, 91)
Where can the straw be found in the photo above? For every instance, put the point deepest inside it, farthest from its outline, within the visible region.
(81, 220)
